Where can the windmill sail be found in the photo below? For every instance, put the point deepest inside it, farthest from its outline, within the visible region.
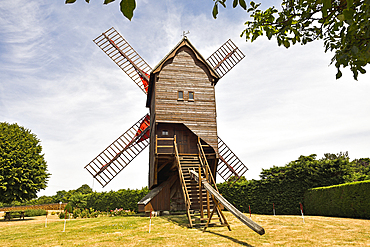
(121, 152)
(225, 58)
(120, 51)
(229, 164)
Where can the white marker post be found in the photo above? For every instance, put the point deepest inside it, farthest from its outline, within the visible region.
(65, 220)
(301, 206)
(150, 219)
(273, 208)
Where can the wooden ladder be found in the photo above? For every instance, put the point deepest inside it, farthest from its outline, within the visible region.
(200, 205)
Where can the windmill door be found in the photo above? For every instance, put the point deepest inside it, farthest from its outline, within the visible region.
(182, 139)
(186, 140)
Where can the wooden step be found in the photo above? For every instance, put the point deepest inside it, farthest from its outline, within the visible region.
(205, 219)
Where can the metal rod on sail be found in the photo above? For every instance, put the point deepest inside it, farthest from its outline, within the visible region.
(137, 69)
(119, 153)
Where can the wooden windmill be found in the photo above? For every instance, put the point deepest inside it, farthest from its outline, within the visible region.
(185, 153)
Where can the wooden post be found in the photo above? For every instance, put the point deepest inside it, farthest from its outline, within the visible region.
(156, 144)
(200, 192)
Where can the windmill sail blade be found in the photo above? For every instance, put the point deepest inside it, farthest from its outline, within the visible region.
(229, 164)
(225, 58)
(120, 51)
(121, 152)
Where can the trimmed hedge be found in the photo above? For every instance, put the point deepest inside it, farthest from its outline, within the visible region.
(285, 186)
(344, 200)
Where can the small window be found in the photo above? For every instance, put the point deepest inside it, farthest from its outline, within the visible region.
(164, 132)
(191, 96)
(180, 95)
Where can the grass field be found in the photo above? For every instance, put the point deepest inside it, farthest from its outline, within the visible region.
(172, 231)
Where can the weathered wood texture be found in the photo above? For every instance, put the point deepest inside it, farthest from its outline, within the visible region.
(185, 73)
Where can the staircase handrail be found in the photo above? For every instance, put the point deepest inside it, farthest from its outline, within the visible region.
(184, 189)
(203, 157)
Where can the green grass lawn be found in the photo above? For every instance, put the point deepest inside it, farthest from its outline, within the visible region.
(172, 231)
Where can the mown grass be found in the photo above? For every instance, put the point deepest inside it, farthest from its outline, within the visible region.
(172, 231)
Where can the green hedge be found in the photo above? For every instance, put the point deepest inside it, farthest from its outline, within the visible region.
(344, 200)
(34, 212)
(126, 199)
(285, 186)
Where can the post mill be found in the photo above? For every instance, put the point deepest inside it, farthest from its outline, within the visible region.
(185, 153)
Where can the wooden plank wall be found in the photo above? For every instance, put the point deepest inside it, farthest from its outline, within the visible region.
(185, 73)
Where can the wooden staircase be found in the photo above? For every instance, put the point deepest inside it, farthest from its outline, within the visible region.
(200, 205)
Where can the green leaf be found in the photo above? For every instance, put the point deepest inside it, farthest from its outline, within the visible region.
(349, 3)
(127, 8)
(70, 1)
(338, 75)
(108, 1)
(341, 17)
(235, 3)
(362, 70)
(286, 43)
(348, 13)
(354, 50)
(243, 4)
(215, 11)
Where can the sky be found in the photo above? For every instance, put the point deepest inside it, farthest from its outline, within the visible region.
(274, 106)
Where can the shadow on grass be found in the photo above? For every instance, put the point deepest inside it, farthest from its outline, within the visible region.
(16, 220)
(182, 221)
(231, 238)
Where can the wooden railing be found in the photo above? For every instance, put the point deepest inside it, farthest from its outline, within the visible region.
(182, 180)
(51, 206)
(204, 163)
(164, 146)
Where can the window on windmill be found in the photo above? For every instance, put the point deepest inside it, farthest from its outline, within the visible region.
(164, 132)
(191, 96)
(180, 95)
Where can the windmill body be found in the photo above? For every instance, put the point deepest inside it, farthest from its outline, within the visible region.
(181, 100)
(181, 130)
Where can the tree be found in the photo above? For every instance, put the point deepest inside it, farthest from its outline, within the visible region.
(23, 170)
(342, 24)
(84, 189)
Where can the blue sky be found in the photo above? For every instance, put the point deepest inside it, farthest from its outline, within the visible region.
(276, 105)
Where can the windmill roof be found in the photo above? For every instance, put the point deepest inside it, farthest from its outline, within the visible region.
(171, 54)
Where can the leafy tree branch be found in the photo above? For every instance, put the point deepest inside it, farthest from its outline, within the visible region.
(343, 25)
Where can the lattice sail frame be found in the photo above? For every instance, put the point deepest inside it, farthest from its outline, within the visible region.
(120, 51)
(119, 154)
(225, 58)
(229, 164)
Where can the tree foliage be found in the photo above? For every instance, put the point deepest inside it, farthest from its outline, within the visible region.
(23, 169)
(285, 186)
(343, 25)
